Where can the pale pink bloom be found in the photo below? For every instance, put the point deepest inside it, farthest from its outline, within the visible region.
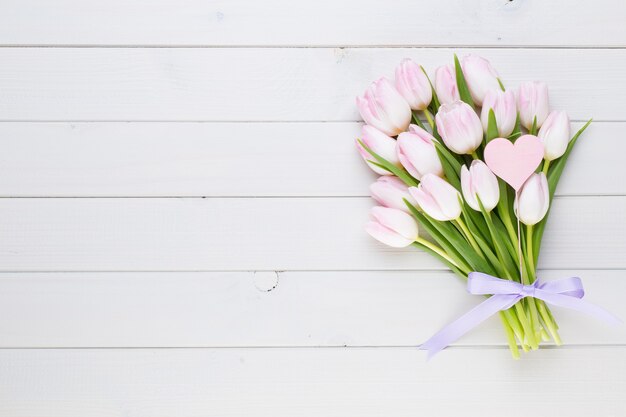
(478, 182)
(533, 101)
(445, 85)
(383, 107)
(437, 198)
(459, 127)
(480, 77)
(392, 227)
(555, 135)
(379, 143)
(413, 85)
(417, 153)
(533, 199)
(504, 108)
(391, 192)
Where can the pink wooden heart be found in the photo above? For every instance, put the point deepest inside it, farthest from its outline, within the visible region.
(514, 162)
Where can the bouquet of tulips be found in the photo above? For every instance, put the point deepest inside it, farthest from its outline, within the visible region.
(431, 143)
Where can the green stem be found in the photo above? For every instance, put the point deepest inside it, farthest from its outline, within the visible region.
(429, 118)
(529, 250)
(474, 155)
(546, 166)
(510, 337)
(469, 237)
(437, 250)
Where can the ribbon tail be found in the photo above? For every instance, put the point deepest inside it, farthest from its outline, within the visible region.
(467, 322)
(577, 304)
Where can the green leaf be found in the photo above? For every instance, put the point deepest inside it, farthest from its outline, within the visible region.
(500, 83)
(383, 163)
(533, 129)
(461, 84)
(517, 130)
(499, 239)
(554, 175)
(492, 127)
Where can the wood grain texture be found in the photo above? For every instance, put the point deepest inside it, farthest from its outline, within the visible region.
(310, 382)
(324, 22)
(232, 160)
(270, 84)
(227, 309)
(176, 234)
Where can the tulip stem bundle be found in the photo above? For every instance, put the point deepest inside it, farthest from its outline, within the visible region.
(436, 180)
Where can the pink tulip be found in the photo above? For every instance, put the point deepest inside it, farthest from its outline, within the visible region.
(533, 200)
(480, 77)
(379, 143)
(555, 135)
(413, 85)
(392, 227)
(533, 101)
(445, 85)
(391, 192)
(437, 198)
(384, 108)
(417, 153)
(478, 182)
(459, 127)
(503, 106)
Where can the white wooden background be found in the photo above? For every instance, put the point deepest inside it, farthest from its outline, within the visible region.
(182, 209)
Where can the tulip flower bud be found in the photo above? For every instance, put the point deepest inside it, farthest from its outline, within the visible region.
(533, 199)
(478, 182)
(384, 108)
(532, 101)
(555, 135)
(417, 153)
(445, 85)
(503, 105)
(379, 143)
(392, 227)
(437, 198)
(413, 85)
(391, 192)
(480, 77)
(459, 127)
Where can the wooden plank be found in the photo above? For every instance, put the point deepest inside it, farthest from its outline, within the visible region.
(324, 22)
(265, 84)
(226, 309)
(175, 234)
(310, 382)
(232, 160)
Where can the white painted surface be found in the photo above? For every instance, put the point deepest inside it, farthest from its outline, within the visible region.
(123, 293)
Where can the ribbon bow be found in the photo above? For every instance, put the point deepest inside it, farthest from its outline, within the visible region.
(566, 292)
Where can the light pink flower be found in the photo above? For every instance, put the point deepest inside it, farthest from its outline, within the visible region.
(479, 181)
(533, 101)
(480, 77)
(555, 135)
(533, 200)
(392, 227)
(383, 107)
(417, 152)
(437, 198)
(445, 85)
(391, 192)
(379, 143)
(503, 105)
(459, 127)
(413, 85)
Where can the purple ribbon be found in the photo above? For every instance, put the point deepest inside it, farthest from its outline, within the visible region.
(566, 292)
